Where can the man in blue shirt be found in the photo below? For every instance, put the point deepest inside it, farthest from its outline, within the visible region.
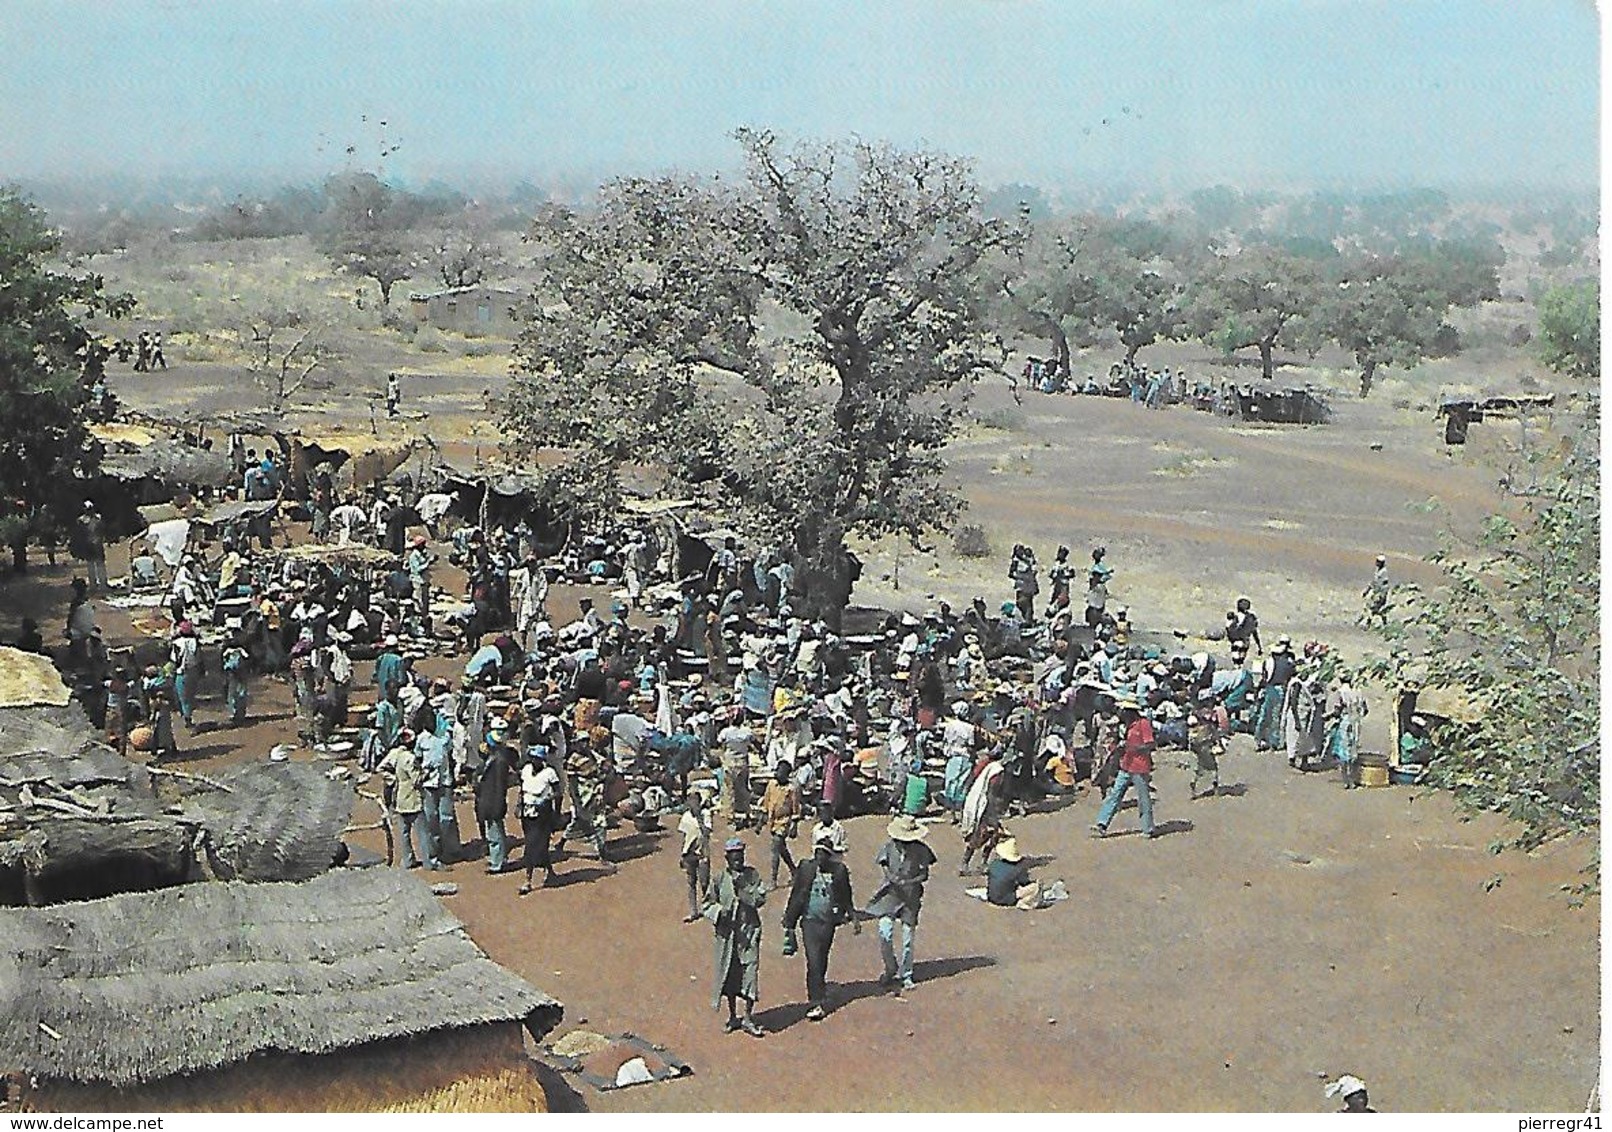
(436, 786)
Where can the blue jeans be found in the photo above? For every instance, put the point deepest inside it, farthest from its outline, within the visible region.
(409, 828)
(1144, 800)
(441, 826)
(497, 846)
(185, 692)
(1268, 720)
(887, 932)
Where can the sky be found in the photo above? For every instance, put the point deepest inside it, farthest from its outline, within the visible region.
(1278, 94)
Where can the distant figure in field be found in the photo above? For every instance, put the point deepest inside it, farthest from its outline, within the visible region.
(394, 394)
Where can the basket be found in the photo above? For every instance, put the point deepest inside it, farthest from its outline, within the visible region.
(143, 738)
(1370, 775)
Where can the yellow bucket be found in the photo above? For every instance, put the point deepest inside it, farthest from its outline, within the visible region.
(1372, 770)
(1373, 775)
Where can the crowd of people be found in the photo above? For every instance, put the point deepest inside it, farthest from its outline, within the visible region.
(706, 698)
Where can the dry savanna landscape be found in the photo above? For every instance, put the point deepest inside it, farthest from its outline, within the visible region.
(662, 448)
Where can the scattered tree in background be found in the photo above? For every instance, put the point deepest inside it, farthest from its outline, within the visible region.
(1570, 329)
(1257, 298)
(367, 231)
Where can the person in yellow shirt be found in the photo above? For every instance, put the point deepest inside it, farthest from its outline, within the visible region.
(780, 809)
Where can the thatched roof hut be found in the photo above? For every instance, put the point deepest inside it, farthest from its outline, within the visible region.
(273, 821)
(108, 1003)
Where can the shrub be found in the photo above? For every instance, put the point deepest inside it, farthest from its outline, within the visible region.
(970, 541)
(1002, 419)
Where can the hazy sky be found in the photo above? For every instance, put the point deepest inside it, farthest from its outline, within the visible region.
(1277, 93)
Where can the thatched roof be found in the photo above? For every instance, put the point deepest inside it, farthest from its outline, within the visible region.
(171, 462)
(355, 553)
(148, 985)
(235, 511)
(277, 821)
(30, 680)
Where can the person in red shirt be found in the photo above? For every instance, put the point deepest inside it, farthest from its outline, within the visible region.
(1135, 766)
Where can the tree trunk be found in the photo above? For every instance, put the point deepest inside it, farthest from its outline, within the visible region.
(386, 291)
(823, 577)
(1267, 364)
(1130, 353)
(1368, 370)
(1060, 342)
(19, 557)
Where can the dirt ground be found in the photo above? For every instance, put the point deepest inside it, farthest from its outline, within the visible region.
(1280, 934)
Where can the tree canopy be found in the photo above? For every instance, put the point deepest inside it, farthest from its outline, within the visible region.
(48, 364)
(794, 346)
(1258, 297)
(367, 230)
(1570, 329)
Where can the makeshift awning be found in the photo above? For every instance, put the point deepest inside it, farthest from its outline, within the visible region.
(355, 553)
(169, 462)
(167, 540)
(235, 512)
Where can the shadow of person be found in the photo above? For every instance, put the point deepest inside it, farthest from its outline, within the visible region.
(1231, 790)
(841, 995)
(1174, 825)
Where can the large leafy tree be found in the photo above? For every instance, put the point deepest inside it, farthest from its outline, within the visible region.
(48, 363)
(794, 346)
(1258, 297)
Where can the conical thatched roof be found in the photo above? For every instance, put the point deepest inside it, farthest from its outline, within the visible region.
(144, 986)
(278, 821)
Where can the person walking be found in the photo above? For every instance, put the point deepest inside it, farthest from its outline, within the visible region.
(492, 794)
(233, 661)
(1135, 767)
(733, 905)
(980, 821)
(1206, 736)
(819, 903)
(184, 652)
(539, 813)
(695, 858)
(905, 860)
(418, 564)
(780, 809)
(1376, 594)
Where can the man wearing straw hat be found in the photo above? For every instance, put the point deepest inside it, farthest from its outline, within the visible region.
(906, 861)
(733, 905)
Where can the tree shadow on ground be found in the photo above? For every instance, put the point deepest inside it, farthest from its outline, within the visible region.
(840, 995)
